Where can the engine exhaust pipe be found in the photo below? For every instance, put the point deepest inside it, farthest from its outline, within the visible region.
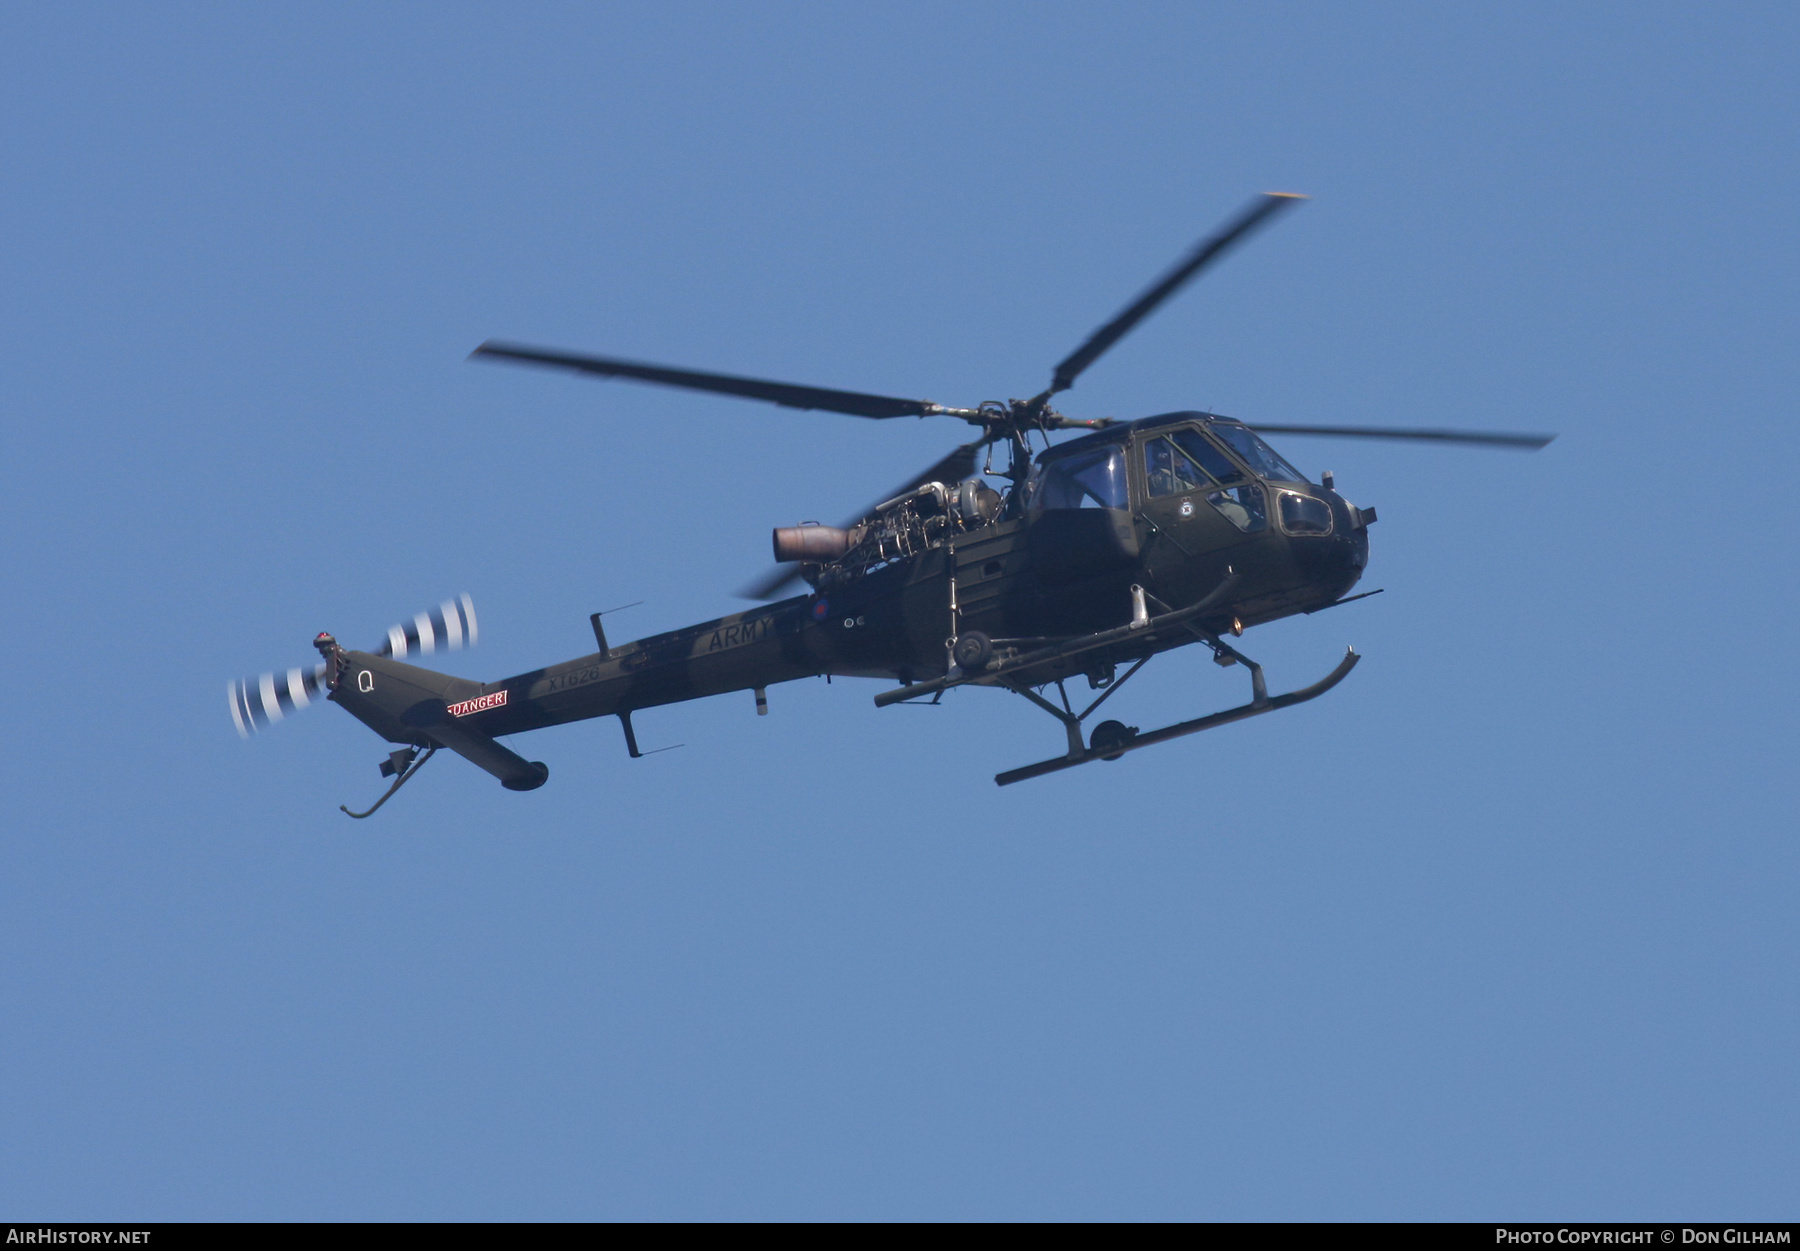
(810, 545)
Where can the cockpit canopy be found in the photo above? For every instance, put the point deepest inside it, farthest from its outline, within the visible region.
(1262, 459)
(1177, 456)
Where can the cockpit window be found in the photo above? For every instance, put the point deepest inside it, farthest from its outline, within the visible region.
(1215, 462)
(1242, 506)
(1258, 455)
(1171, 471)
(1172, 466)
(1090, 479)
(1302, 514)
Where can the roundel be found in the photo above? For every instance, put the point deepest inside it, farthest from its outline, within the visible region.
(821, 610)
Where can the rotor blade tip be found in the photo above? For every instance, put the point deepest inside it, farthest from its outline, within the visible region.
(1286, 195)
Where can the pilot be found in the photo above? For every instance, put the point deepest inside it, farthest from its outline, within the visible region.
(1242, 506)
(1159, 469)
(1234, 512)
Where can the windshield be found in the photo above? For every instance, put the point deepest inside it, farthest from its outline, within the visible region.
(1197, 446)
(1091, 479)
(1261, 458)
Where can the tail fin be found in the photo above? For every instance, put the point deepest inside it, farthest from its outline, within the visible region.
(406, 704)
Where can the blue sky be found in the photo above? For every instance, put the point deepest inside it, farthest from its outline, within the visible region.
(1503, 927)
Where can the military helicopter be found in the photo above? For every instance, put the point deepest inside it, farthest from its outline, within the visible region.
(1098, 554)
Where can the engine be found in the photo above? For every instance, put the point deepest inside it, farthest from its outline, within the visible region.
(923, 518)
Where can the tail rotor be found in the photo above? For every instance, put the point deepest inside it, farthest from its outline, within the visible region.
(262, 701)
(257, 702)
(451, 625)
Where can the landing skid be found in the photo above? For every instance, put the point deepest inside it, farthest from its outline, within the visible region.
(1125, 738)
(1111, 739)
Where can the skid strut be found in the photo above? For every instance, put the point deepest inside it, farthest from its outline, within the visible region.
(1066, 714)
(1006, 673)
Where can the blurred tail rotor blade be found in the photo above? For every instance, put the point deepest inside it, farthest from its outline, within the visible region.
(450, 626)
(258, 702)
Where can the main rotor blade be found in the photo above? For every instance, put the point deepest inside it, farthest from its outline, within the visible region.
(1207, 251)
(786, 394)
(952, 468)
(772, 585)
(1484, 438)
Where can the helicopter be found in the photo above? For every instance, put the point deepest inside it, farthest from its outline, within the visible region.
(1094, 556)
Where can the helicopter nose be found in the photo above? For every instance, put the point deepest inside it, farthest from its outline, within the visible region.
(1334, 562)
(1352, 547)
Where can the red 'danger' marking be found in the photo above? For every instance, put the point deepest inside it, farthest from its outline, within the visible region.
(481, 703)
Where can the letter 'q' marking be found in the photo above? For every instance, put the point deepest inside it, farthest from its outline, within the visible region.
(365, 681)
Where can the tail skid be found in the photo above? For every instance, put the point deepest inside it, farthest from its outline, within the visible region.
(392, 765)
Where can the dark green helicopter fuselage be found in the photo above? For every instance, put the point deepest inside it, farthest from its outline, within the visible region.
(1198, 496)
